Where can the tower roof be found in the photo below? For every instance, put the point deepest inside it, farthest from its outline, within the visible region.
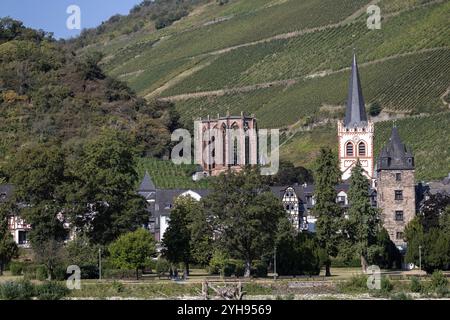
(147, 184)
(355, 115)
(396, 155)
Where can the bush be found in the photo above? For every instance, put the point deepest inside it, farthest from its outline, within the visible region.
(401, 296)
(19, 290)
(41, 273)
(119, 274)
(356, 284)
(240, 270)
(217, 262)
(59, 273)
(259, 269)
(51, 290)
(415, 285)
(229, 269)
(162, 267)
(386, 285)
(16, 268)
(89, 272)
(439, 283)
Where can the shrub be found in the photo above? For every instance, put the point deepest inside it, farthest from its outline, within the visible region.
(229, 269)
(439, 283)
(162, 267)
(19, 290)
(119, 274)
(16, 268)
(259, 269)
(89, 272)
(386, 285)
(401, 296)
(51, 290)
(356, 284)
(41, 273)
(118, 287)
(59, 273)
(217, 262)
(415, 285)
(240, 270)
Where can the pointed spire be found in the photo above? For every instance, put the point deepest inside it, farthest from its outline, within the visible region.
(147, 183)
(355, 115)
(396, 155)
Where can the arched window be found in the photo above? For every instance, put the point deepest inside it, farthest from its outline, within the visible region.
(224, 144)
(362, 149)
(235, 129)
(350, 150)
(213, 153)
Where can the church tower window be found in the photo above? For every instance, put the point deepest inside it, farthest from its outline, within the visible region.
(350, 149)
(362, 149)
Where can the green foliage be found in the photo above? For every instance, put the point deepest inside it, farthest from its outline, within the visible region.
(105, 180)
(133, 250)
(51, 290)
(218, 261)
(16, 268)
(364, 222)
(20, 290)
(439, 283)
(356, 284)
(246, 213)
(415, 285)
(8, 248)
(386, 285)
(162, 267)
(375, 109)
(327, 211)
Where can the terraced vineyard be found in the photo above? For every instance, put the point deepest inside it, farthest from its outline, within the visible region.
(166, 175)
(428, 136)
(286, 61)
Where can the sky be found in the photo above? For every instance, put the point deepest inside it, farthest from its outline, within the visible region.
(52, 16)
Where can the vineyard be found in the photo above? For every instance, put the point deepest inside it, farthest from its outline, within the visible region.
(428, 136)
(328, 49)
(410, 84)
(166, 175)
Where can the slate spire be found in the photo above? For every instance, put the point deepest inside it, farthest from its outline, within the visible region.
(355, 115)
(147, 183)
(396, 155)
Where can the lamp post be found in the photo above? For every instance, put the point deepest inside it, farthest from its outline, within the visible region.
(100, 263)
(420, 257)
(275, 264)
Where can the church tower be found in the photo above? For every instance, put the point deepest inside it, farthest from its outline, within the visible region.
(396, 192)
(356, 132)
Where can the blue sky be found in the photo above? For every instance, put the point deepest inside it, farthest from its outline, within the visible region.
(50, 15)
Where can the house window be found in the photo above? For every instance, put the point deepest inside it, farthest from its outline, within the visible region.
(349, 148)
(23, 237)
(399, 215)
(398, 194)
(341, 200)
(399, 236)
(398, 177)
(309, 200)
(362, 149)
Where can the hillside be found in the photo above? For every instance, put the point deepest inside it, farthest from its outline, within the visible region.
(49, 94)
(287, 62)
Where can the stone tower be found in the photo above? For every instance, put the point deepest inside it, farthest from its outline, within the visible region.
(355, 133)
(396, 187)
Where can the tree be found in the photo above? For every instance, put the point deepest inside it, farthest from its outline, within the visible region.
(8, 248)
(288, 174)
(375, 109)
(101, 199)
(50, 253)
(177, 238)
(327, 211)
(363, 221)
(133, 250)
(38, 175)
(245, 215)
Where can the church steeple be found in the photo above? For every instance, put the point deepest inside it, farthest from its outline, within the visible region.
(355, 115)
